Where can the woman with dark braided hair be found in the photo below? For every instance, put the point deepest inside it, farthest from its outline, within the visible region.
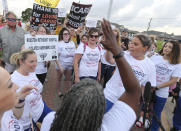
(78, 115)
(83, 106)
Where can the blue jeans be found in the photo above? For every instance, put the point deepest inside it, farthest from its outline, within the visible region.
(158, 106)
(109, 105)
(177, 115)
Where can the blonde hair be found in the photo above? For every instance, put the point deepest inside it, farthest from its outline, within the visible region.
(22, 55)
(118, 38)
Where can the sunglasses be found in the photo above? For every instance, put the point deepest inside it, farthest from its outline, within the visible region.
(11, 19)
(66, 34)
(95, 36)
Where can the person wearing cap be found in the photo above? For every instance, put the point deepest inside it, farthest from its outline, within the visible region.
(12, 38)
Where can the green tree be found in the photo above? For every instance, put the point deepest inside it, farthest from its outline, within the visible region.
(26, 15)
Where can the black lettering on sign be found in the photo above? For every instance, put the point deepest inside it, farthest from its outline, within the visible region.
(45, 16)
(78, 13)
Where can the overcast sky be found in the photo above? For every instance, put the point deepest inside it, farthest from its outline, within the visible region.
(133, 14)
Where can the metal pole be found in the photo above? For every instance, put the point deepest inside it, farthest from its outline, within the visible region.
(149, 24)
(109, 10)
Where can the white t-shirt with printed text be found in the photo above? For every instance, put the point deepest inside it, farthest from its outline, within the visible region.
(10, 123)
(33, 102)
(89, 62)
(164, 72)
(66, 52)
(143, 69)
(121, 117)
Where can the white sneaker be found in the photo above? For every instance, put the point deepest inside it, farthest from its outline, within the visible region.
(139, 123)
(147, 123)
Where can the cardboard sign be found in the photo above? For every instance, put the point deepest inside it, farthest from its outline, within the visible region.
(45, 16)
(48, 3)
(61, 12)
(78, 13)
(45, 46)
(91, 23)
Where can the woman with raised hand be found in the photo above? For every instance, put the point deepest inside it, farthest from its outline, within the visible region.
(26, 62)
(11, 102)
(168, 70)
(87, 58)
(83, 106)
(66, 51)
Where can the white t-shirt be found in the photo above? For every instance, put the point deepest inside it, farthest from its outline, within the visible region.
(89, 61)
(144, 71)
(40, 68)
(47, 121)
(121, 117)
(33, 102)
(103, 59)
(10, 123)
(164, 72)
(66, 52)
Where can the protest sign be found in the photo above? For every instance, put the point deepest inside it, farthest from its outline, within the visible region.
(78, 13)
(45, 46)
(45, 16)
(48, 3)
(91, 23)
(61, 12)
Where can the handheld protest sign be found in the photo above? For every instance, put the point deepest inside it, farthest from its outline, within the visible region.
(48, 3)
(45, 16)
(45, 46)
(61, 12)
(91, 23)
(78, 13)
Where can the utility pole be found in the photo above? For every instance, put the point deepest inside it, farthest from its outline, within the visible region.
(109, 10)
(149, 24)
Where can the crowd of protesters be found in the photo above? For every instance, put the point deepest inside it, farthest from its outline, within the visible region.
(105, 75)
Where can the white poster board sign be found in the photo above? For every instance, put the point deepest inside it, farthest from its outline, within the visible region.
(61, 12)
(45, 46)
(91, 23)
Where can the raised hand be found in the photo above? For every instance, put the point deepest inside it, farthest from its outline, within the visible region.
(110, 42)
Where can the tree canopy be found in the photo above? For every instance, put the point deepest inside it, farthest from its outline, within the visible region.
(26, 15)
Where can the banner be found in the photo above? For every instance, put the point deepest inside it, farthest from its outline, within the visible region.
(45, 46)
(48, 3)
(61, 12)
(78, 13)
(91, 23)
(45, 16)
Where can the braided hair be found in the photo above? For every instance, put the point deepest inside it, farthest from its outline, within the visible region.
(82, 108)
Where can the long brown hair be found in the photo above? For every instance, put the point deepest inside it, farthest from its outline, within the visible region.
(174, 56)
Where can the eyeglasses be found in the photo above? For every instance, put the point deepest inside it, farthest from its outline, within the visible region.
(11, 19)
(95, 36)
(66, 34)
